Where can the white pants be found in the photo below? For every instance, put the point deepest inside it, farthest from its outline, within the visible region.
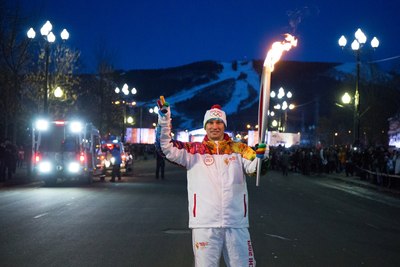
(233, 243)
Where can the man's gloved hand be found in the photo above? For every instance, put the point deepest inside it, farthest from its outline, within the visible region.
(164, 112)
(262, 151)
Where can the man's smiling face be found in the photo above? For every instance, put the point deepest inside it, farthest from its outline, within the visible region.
(215, 130)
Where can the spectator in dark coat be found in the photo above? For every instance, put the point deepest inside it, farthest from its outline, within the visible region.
(10, 159)
(285, 161)
(116, 169)
(160, 167)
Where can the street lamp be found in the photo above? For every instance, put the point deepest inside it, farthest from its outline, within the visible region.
(58, 92)
(251, 127)
(126, 101)
(335, 134)
(356, 46)
(154, 110)
(49, 37)
(130, 120)
(282, 103)
(346, 98)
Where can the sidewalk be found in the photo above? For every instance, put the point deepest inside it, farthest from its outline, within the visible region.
(20, 177)
(355, 180)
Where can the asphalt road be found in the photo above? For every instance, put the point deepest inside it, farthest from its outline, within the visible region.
(141, 221)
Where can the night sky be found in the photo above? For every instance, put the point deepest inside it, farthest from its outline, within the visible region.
(153, 34)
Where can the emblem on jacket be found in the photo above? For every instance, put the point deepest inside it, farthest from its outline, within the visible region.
(208, 160)
(230, 159)
(201, 245)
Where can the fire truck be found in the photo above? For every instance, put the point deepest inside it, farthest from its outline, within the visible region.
(65, 150)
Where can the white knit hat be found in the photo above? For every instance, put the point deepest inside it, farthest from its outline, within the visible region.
(215, 113)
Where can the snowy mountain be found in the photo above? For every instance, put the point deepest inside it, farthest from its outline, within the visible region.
(194, 88)
(242, 94)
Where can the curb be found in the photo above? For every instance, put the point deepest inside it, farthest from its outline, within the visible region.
(354, 180)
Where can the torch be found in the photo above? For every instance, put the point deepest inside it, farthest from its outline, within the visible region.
(273, 56)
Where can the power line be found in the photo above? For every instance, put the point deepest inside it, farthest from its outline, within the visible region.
(384, 59)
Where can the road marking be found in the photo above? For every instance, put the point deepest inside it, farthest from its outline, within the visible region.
(373, 226)
(363, 193)
(177, 231)
(279, 237)
(40, 215)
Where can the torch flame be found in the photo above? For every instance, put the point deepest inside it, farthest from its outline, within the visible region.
(277, 49)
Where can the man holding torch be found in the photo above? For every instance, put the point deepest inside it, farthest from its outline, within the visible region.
(217, 190)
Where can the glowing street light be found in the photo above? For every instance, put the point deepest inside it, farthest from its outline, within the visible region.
(58, 92)
(357, 45)
(346, 98)
(125, 90)
(154, 110)
(49, 37)
(126, 96)
(130, 119)
(282, 98)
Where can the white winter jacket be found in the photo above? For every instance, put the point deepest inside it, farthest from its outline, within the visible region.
(216, 181)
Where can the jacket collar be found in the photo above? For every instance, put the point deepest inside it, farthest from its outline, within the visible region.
(226, 138)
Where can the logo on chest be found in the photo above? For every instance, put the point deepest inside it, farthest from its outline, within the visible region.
(208, 160)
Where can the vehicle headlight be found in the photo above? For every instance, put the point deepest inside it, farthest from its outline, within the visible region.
(76, 127)
(107, 163)
(44, 167)
(73, 167)
(42, 125)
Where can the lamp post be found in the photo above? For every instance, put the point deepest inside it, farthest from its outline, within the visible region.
(49, 37)
(154, 111)
(125, 101)
(347, 99)
(335, 134)
(356, 46)
(283, 104)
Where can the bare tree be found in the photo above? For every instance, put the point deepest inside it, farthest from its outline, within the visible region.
(62, 72)
(105, 84)
(13, 62)
(381, 100)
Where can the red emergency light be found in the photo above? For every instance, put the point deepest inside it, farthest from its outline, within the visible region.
(110, 146)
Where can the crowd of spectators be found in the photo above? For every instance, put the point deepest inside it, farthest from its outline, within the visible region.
(379, 165)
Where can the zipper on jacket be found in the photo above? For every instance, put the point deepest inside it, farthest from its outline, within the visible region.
(221, 220)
